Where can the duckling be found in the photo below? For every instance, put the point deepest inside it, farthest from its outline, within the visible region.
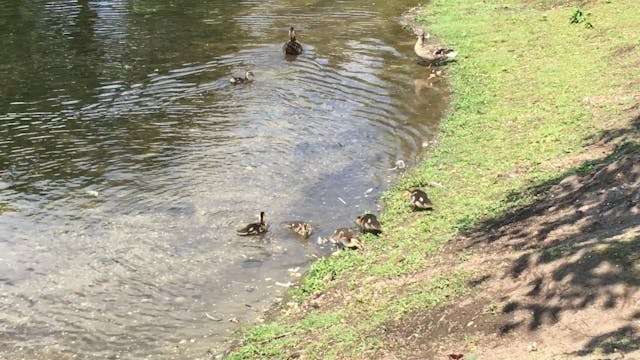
(242, 77)
(343, 237)
(301, 228)
(419, 199)
(293, 46)
(431, 53)
(254, 228)
(368, 223)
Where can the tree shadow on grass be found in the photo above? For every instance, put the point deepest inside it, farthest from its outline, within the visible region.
(620, 133)
(624, 339)
(577, 247)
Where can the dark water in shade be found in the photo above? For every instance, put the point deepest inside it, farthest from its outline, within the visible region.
(127, 160)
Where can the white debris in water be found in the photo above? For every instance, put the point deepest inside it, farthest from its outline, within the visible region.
(342, 201)
(400, 164)
(322, 241)
(284, 284)
(294, 269)
(369, 190)
(93, 193)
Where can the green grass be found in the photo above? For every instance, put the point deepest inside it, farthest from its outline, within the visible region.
(520, 84)
(352, 329)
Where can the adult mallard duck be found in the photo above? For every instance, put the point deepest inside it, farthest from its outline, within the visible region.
(301, 228)
(254, 228)
(242, 77)
(419, 199)
(368, 223)
(344, 238)
(430, 52)
(293, 46)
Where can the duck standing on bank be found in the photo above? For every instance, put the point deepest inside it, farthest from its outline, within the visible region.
(343, 237)
(368, 223)
(431, 53)
(419, 199)
(293, 46)
(254, 228)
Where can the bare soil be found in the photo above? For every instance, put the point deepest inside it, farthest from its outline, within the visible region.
(559, 279)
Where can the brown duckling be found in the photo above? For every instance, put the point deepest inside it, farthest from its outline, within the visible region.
(368, 223)
(430, 52)
(254, 228)
(344, 238)
(242, 77)
(301, 228)
(293, 46)
(419, 199)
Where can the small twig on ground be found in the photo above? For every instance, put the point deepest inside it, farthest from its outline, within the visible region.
(276, 337)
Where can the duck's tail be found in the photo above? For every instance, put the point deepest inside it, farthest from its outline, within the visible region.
(447, 53)
(292, 47)
(243, 232)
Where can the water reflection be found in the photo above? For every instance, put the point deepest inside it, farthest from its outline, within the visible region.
(127, 160)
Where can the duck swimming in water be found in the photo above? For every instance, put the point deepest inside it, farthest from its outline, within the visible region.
(419, 199)
(368, 223)
(293, 46)
(301, 228)
(254, 228)
(242, 77)
(431, 53)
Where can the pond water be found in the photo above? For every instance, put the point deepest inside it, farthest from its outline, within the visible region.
(127, 161)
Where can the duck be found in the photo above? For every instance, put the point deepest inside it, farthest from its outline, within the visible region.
(368, 223)
(254, 228)
(431, 53)
(242, 77)
(419, 199)
(301, 228)
(344, 238)
(293, 46)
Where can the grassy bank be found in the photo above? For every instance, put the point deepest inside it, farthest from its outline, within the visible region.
(532, 94)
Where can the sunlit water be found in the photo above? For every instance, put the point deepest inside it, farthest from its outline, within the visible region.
(127, 161)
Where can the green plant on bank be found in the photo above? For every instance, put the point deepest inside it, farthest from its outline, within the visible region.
(579, 17)
(492, 308)
(520, 84)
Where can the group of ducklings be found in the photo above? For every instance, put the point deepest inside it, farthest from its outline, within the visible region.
(429, 52)
(343, 238)
(367, 223)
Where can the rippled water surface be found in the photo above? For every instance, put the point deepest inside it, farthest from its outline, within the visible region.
(127, 160)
